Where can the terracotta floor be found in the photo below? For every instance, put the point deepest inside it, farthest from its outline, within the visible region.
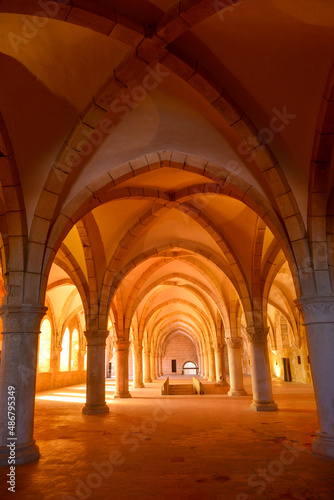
(174, 447)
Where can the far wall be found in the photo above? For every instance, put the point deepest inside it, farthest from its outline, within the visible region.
(182, 349)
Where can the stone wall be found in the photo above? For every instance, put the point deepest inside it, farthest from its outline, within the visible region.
(182, 349)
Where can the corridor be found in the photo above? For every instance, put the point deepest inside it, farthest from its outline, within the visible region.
(190, 447)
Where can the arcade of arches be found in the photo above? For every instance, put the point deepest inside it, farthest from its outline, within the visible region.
(166, 197)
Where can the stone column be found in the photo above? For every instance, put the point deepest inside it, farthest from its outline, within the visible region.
(202, 364)
(220, 365)
(206, 365)
(234, 345)
(212, 368)
(152, 360)
(147, 366)
(160, 364)
(199, 363)
(319, 324)
(138, 366)
(157, 365)
(21, 327)
(95, 387)
(260, 370)
(122, 369)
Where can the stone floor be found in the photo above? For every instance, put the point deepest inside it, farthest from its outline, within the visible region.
(174, 447)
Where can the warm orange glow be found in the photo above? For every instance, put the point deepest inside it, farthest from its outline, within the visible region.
(277, 370)
(44, 347)
(65, 353)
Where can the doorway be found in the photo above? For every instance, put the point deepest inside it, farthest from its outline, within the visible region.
(287, 370)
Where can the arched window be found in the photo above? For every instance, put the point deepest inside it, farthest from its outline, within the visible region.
(75, 350)
(65, 352)
(44, 354)
(189, 368)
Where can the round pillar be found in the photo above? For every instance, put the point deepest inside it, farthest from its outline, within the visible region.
(261, 375)
(206, 365)
(122, 369)
(138, 366)
(234, 345)
(220, 365)
(319, 324)
(202, 364)
(21, 327)
(199, 357)
(95, 387)
(147, 367)
(157, 365)
(212, 368)
(152, 361)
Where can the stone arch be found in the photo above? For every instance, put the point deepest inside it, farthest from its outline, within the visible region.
(89, 198)
(320, 211)
(144, 323)
(91, 271)
(172, 334)
(13, 223)
(137, 299)
(207, 313)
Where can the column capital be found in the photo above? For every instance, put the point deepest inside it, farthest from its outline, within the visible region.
(96, 337)
(316, 309)
(122, 345)
(137, 348)
(234, 342)
(25, 318)
(257, 333)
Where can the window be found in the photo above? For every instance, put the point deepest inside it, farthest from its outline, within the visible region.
(65, 352)
(189, 368)
(44, 353)
(75, 350)
(299, 360)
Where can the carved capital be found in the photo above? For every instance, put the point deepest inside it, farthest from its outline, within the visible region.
(25, 318)
(234, 342)
(138, 349)
(122, 345)
(257, 333)
(96, 338)
(316, 309)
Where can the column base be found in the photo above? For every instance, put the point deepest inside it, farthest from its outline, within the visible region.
(211, 379)
(23, 454)
(95, 409)
(137, 386)
(323, 445)
(235, 392)
(266, 406)
(122, 395)
(222, 383)
(148, 381)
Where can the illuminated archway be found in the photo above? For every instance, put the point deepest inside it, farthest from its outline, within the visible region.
(44, 354)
